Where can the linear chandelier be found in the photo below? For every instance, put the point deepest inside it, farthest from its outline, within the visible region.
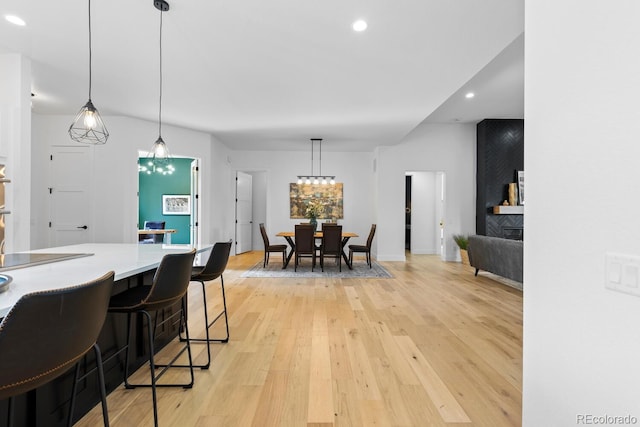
(317, 179)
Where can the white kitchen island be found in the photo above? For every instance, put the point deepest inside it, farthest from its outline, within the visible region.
(134, 265)
(125, 259)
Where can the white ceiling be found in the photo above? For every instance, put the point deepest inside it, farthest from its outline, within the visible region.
(272, 74)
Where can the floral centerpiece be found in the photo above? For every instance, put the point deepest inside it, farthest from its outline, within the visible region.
(315, 208)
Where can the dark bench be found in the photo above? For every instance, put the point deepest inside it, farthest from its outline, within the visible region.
(497, 255)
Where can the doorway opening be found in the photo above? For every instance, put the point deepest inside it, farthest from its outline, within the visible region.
(251, 209)
(425, 212)
(156, 191)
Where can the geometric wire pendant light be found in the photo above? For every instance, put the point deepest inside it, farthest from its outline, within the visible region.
(88, 127)
(159, 153)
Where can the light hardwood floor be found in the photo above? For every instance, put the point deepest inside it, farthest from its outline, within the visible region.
(432, 346)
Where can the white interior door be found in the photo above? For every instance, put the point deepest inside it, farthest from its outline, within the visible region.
(440, 186)
(244, 212)
(70, 207)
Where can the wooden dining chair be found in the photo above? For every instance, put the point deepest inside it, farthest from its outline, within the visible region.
(366, 248)
(305, 244)
(268, 248)
(331, 246)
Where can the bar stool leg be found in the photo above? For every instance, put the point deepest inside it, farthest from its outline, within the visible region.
(152, 368)
(12, 411)
(208, 324)
(103, 388)
(101, 385)
(76, 375)
(126, 357)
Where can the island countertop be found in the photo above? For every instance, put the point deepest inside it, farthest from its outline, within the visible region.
(125, 259)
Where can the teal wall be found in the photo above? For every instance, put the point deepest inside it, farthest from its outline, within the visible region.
(153, 186)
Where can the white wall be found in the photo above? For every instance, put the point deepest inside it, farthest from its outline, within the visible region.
(374, 184)
(221, 194)
(115, 176)
(582, 151)
(450, 148)
(354, 170)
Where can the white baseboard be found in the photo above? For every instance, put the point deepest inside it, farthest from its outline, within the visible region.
(390, 257)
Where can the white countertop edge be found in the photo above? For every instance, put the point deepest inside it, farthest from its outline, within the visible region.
(125, 259)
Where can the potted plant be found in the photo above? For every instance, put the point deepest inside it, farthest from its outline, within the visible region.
(314, 210)
(462, 240)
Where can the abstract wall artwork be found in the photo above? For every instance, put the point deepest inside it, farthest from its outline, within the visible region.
(329, 195)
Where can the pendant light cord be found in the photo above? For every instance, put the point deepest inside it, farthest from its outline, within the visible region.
(320, 158)
(160, 101)
(89, 50)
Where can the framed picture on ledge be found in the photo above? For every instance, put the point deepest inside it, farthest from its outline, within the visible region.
(521, 187)
(175, 204)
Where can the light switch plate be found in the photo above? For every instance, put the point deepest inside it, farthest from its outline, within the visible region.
(622, 273)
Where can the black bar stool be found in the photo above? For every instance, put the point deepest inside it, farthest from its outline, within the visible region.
(169, 286)
(48, 332)
(213, 269)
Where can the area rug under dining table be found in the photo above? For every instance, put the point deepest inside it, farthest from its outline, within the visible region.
(360, 270)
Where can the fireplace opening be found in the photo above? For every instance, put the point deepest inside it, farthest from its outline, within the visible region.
(513, 233)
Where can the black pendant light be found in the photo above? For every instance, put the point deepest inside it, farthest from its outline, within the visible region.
(316, 179)
(159, 153)
(88, 127)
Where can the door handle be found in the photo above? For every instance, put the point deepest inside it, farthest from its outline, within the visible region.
(84, 227)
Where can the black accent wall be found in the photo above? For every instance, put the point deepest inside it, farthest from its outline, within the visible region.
(500, 153)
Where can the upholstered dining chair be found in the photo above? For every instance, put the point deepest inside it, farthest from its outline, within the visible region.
(322, 226)
(331, 244)
(366, 249)
(268, 248)
(152, 238)
(305, 244)
(168, 287)
(215, 266)
(46, 333)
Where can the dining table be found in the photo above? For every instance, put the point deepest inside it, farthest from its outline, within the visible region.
(289, 236)
(167, 232)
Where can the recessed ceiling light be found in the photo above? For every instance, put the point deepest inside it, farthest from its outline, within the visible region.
(15, 20)
(359, 25)
(470, 95)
